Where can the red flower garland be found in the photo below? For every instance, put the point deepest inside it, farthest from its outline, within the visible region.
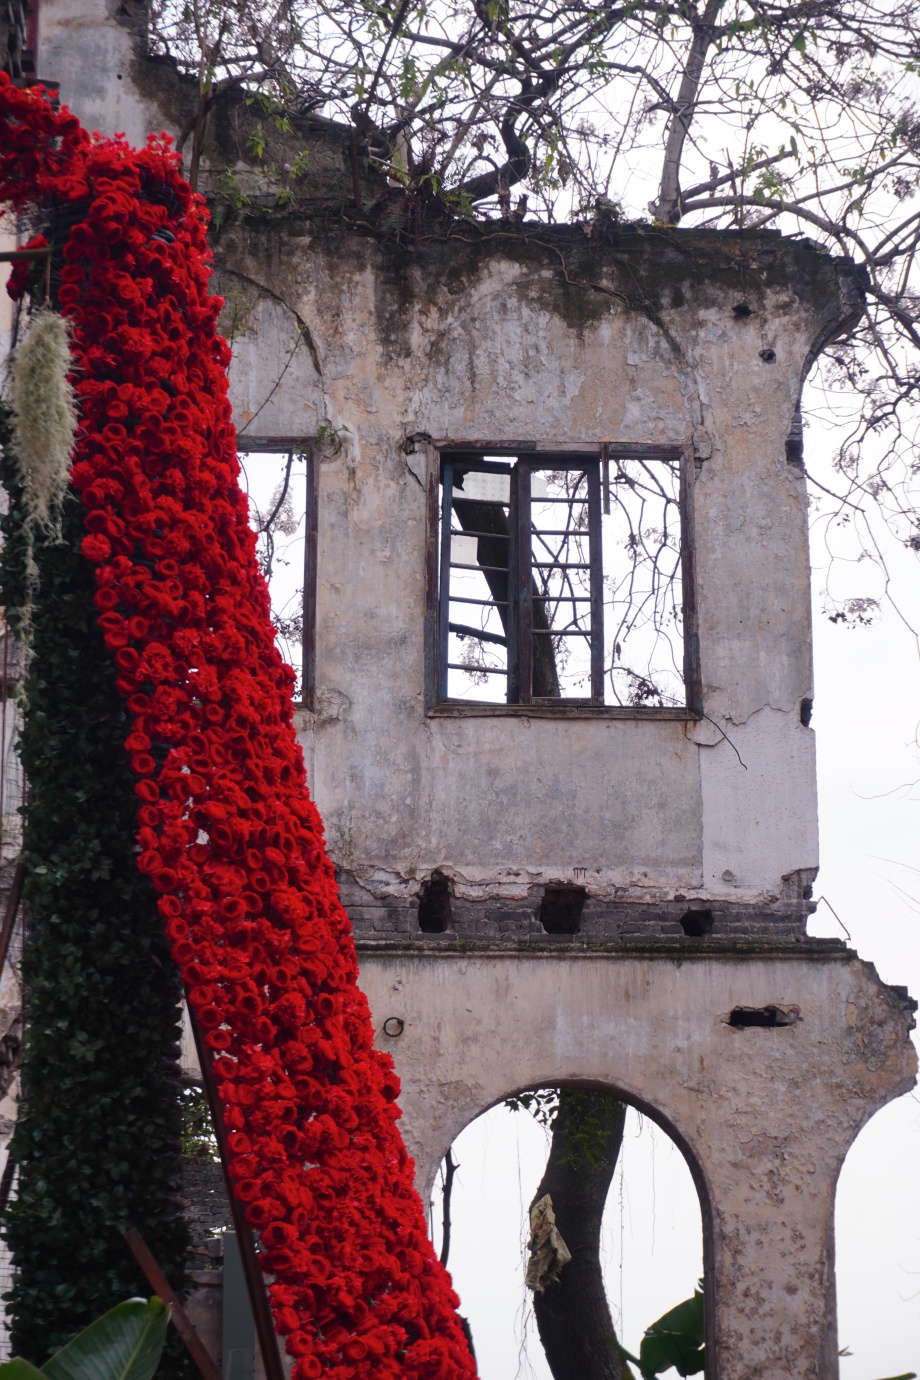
(227, 832)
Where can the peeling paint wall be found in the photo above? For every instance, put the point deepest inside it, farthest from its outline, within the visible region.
(546, 336)
(488, 342)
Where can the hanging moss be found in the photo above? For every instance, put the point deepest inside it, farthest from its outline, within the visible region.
(97, 1140)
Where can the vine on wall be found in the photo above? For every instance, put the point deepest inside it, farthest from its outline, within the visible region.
(97, 1137)
(228, 835)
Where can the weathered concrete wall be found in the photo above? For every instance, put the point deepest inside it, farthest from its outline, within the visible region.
(480, 338)
(545, 336)
(763, 1116)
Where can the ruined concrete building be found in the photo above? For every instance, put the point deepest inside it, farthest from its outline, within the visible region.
(557, 675)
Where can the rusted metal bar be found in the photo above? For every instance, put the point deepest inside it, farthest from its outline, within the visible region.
(255, 1280)
(560, 565)
(12, 906)
(164, 1290)
(432, 592)
(480, 670)
(463, 630)
(597, 583)
(447, 501)
(465, 565)
(523, 584)
(488, 603)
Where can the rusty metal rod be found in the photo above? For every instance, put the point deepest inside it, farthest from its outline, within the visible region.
(11, 256)
(164, 1290)
(255, 1280)
(12, 907)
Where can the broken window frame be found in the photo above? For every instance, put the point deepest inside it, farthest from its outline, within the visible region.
(302, 447)
(528, 457)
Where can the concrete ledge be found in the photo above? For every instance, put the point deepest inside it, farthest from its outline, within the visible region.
(573, 946)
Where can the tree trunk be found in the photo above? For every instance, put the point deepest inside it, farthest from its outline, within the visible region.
(573, 1317)
(493, 551)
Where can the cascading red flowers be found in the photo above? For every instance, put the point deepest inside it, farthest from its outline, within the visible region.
(227, 832)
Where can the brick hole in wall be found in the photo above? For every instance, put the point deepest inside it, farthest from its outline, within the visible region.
(696, 924)
(561, 909)
(762, 1017)
(434, 904)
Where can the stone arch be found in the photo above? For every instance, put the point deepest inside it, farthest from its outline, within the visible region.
(616, 1088)
(762, 1066)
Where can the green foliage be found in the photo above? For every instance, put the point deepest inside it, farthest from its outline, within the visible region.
(588, 1135)
(675, 1340)
(97, 1140)
(124, 1344)
(198, 1139)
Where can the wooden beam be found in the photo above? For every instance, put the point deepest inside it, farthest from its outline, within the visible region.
(12, 907)
(255, 1279)
(181, 1320)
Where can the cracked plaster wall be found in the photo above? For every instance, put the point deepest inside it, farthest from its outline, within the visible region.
(487, 344)
(473, 342)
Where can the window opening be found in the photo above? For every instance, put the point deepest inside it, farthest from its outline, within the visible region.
(561, 580)
(434, 904)
(561, 909)
(278, 482)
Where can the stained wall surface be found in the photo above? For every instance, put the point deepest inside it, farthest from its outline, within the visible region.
(487, 342)
(545, 336)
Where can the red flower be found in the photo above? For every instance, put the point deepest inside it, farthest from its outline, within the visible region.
(226, 830)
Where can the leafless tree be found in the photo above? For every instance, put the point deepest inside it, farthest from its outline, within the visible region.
(802, 115)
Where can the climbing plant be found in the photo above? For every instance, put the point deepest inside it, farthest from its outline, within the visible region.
(97, 1138)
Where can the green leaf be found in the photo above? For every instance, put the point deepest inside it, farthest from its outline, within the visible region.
(124, 1344)
(676, 1339)
(664, 1350)
(687, 1318)
(908, 1375)
(18, 1369)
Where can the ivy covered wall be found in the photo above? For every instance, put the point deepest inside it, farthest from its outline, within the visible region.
(97, 1141)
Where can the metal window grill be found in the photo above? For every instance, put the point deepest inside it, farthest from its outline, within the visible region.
(561, 580)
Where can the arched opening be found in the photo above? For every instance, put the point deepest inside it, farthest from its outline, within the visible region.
(651, 1244)
(877, 1260)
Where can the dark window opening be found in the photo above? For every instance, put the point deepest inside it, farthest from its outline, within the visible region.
(434, 905)
(697, 923)
(762, 1017)
(561, 579)
(279, 479)
(561, 908)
